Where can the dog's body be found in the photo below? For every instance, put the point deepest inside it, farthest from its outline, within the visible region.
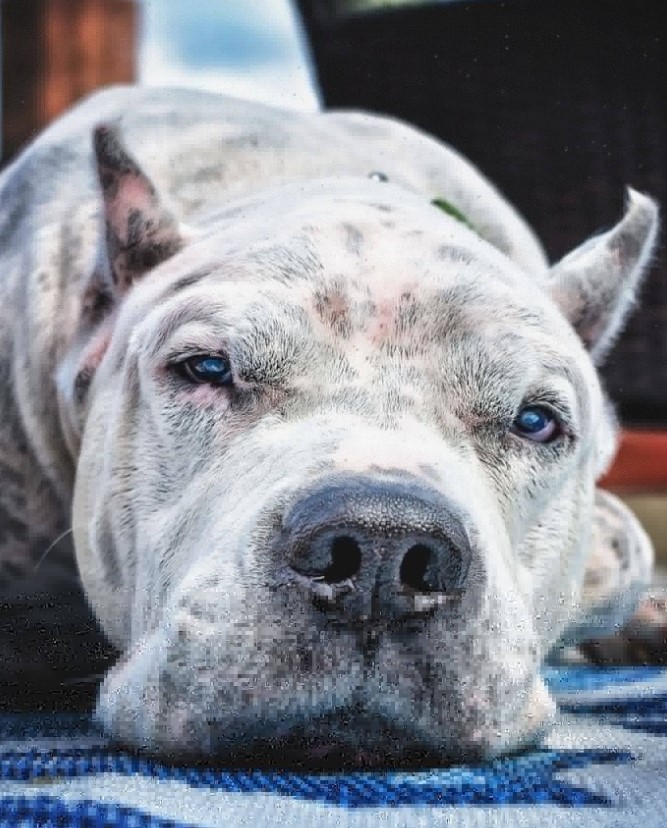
(293, 409)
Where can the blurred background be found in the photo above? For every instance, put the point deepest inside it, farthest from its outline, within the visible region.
(56, 51)
(560, 102)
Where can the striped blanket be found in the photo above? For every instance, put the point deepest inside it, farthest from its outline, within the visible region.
(604, 764)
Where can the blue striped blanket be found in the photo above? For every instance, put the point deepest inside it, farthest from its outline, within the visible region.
(604, 764)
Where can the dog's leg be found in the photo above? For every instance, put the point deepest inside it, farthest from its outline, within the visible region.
(643, 639)
(622, 619)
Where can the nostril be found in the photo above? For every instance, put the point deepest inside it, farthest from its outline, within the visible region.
(345, 560)
(414, 568)
(428, 569)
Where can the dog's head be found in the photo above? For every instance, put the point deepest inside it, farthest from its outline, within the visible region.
(336, 468)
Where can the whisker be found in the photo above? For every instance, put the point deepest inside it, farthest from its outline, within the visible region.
(51, 546)
(93, 678)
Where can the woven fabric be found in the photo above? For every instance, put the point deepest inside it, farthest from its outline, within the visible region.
(604, 764)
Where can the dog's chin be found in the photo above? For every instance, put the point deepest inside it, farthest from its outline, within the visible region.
(295, 754)
(322, 746)
(396, 753)
(306, 755)
(321, 749)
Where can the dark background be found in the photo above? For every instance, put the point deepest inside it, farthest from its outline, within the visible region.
(561, 103)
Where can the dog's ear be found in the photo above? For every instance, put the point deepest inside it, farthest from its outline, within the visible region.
(140, 231)
(595, 285)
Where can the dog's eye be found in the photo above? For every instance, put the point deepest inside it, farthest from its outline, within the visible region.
(214, 370)
(536, 424)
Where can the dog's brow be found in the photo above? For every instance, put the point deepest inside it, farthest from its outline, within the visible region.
(189, 280)
(566, 371)
(576, 382)
(194, 307)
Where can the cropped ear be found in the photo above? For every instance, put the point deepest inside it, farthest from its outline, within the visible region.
(139, 234)
(595, 285)
(140, 231)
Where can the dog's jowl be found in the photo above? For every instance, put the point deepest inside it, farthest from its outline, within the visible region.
(324, 421)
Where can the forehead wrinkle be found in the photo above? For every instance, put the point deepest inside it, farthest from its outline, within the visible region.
(273, 329)
(285, 262)
(496, 270)
(576, 382)
(478, 306)
(190, 279)
(185, 309)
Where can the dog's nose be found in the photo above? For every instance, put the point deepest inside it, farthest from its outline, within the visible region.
(377, 547)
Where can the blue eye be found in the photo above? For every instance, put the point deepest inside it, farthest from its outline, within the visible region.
(536, 424)
(214, 370)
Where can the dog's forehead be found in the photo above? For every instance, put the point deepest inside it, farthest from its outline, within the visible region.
(364, 238)
(346, 267)
(344, 219)
(360, 258)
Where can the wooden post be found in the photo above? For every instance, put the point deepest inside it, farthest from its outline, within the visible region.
(55, 52)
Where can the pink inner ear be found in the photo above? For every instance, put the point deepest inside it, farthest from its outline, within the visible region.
(573, 306)
(140, 231)
(134, 194)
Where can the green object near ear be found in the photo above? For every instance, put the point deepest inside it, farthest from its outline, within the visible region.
(452, 211)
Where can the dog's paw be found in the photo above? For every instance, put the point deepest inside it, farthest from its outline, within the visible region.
(618, 573)
(643, 639)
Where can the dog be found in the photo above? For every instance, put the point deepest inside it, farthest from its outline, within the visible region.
(323, 420)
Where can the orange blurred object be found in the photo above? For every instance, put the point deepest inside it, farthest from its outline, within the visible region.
(641, 463)
(55, 52)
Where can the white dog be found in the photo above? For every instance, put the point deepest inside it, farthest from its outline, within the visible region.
(325, 423)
